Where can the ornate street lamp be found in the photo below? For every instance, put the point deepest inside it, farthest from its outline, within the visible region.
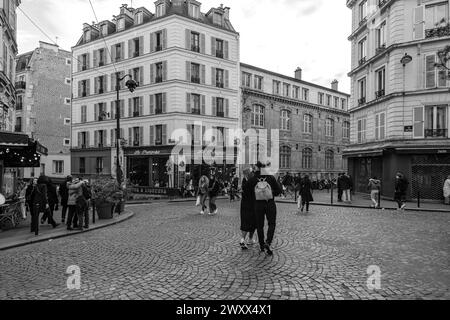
(131, 85)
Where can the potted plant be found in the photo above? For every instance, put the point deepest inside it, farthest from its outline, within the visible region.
(105, 194)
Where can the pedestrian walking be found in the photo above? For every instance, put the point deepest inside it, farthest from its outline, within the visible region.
(340, 186)
(39, 204)
(374, 187)
(248, 219)
(52, 198)
(76, 204)
(32, 184)
(234, 186)
(266, 188)
(202, 192)
(298, 183)
(213, 191)
(347, 187)
(64, 194)
(306, 193)
(446, 190)
(401, 186)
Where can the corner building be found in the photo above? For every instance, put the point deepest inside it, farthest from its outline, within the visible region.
(400, 101)
(187, 66)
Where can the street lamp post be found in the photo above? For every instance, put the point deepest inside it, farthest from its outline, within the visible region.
(132, 85)
(404, 61)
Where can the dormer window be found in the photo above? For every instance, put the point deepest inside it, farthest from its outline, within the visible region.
(120, 24)
(104, 30)
(160, 10)
(217, 18)
(87, 36)
(194, 11)
(139, 19)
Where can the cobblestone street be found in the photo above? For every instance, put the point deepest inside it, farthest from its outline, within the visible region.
(169, 251)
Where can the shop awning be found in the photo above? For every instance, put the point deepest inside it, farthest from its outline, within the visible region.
(19, 151)
(362, 153)
(10, 139)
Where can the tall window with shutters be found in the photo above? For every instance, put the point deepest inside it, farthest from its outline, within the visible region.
(158, 72)
(380, 126)
(436, 14)
(434, 77)
(195, 41)
(220, 78)
(219, 48)
(83, 114)
(436, 121)
(258, 116)
(362, 125)
(346, 130)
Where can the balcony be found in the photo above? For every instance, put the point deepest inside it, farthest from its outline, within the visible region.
(84, 67)
(220, 114)
(101, 63)
(21, 85)
(381, 3)
(219, 84)
(159, 79)
(135, 143)
(158, 111)
(361, 101)
(195, 111)
(100, 145)
(195, 79)
(136, 114)
(438, 32)
(195, 48)
(135, 54)
(158, 48)
(379, 94)
(101, 90)
(84, 93)
(363, 21)
(436, 133)
(362, 61)
(380, 49)
(219, 54)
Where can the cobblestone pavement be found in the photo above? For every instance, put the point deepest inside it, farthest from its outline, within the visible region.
(169, 251)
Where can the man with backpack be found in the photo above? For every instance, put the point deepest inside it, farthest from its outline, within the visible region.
(266, 188)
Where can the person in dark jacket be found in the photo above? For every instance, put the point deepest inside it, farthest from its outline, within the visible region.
(213, 192)
(265, 208)
(64, 194)
(248, 219)
(40, 204)
(52, 198)
(340, 183)
(28, 193)
(306, 193)
(401, 186)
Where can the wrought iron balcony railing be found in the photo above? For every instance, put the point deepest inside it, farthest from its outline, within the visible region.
(379, 93)
(195, 48)
(219, 54)
(380, 49)
(195, 111)
(21, 85)
(220, 114)
(361, 101)
(136, 114)
(158, 48)
(363, 21)
(159, 79)
(362, 61)
(436, 133)
(195, 79)
(219, 84)
(438, 32)
(381, 3)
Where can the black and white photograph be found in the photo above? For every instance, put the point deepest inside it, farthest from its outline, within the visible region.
(225, 156)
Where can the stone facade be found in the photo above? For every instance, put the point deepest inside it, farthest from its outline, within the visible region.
(43, 83)
(301, 116)
(400, 102)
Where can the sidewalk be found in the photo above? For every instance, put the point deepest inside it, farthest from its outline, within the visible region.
(21, 235)
(363, 201)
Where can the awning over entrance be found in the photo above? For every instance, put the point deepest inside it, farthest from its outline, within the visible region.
(9, 139)
(362, 153)
(19, 151)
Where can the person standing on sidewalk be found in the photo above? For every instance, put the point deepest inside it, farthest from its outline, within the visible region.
(52, 197)
(374, 187)
(75, 204)
(401, 186)
(213, 191)
(340, 186)
(202, 192)
(266, 188)
(40, 204)
(64, 194)
(306, 193)
(87, 195)
(346, 187)
(446, 190)
(248, 219)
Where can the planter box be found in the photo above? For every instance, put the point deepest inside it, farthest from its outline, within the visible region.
(104, 211)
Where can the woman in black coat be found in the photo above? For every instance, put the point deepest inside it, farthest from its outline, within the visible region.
(248, 219)
(306, 193)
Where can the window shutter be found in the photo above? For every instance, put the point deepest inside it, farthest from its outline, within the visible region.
(202, 136)
(79, 140)
(189, 137)
(227, 136)
(88, 139)
(130, 137)
(419, 22)
(227, 81)
(164, 71)
(113, 110)
(197, 135)
(79, 63)
(96, 80)
(96, 136)
(202, 43)
(188, 39)
(130, 49)
(152, 42)
(88, 87)
(213, 46)
(141, 106)
(141, 76)
(141, 136)
(95, 54)
(164, 102)
(188, 71)
(203, 74)
(214, 108)
(152, 73)
(430, 71)
(227, 108)
(164, 39)
(152, 104)
(203, 105)
(213, 76)
(113, 53)
(113, 82)
(122, 48)
(88, 62)
(130, 107)
(377, 127)
(122, 84)
(141, 46)
(225, 49)
(113, 137)
(164, 134)
(152, 135)
(188, 103)
(96, 112)
(122, 108)
(79, 89)
(418, 130)
(382, 125)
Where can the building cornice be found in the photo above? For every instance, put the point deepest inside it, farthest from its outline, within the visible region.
(293, 102)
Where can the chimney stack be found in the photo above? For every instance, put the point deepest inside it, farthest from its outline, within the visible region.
(298, 74)
(227, 13)
(335, 85)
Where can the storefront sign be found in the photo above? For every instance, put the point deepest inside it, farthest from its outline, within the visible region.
(442, 151)
(145, 153)
(408, 129)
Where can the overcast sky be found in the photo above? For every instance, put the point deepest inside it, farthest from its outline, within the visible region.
(278, 35)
